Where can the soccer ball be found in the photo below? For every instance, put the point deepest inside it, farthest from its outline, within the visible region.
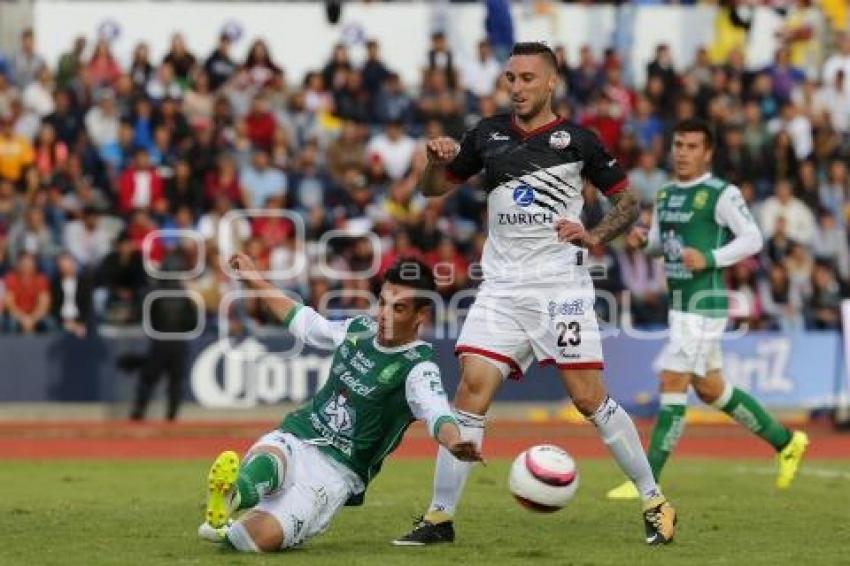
(543, 478)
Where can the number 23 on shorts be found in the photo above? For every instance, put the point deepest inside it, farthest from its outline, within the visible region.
(569, 333)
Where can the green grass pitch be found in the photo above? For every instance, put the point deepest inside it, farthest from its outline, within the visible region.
(146, 512)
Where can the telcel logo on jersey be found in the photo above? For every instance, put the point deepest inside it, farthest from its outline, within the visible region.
(524, 195)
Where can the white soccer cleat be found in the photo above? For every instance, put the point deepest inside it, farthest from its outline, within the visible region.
(212, 534)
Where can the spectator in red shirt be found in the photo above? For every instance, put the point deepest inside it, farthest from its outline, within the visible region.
(272, 230)
(138, 228)
(223, 181)
(605, 119)
(402, 248)
(617, 92)
(450, 267)
(103, 70)
(27, 298)
(260, 124)
(140, 186)
(50, 154)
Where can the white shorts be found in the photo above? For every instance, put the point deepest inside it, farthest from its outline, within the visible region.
(694, 344)
(313, 489)
(556, 324)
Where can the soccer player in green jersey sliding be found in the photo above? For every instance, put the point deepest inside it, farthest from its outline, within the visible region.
(691, 227)
(294, 479)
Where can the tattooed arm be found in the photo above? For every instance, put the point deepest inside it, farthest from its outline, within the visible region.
(623, 213)
(604, 173)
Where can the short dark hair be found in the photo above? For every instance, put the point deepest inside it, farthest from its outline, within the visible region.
(694, 125)
(535, 48)
(413, 273)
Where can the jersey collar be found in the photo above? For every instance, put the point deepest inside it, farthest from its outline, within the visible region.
(525, 134)
(396, 349)
(693, 182)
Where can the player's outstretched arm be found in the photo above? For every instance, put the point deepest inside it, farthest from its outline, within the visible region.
(428, 402)
(463, 450)
(275, 300)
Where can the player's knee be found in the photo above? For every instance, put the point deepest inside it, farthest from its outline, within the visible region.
(709, 388)
(256, 532)
(706, 392)
(674, 382)
(476, 390)
(588, 401)
(240, 539)
(586, 389)
(277, 456)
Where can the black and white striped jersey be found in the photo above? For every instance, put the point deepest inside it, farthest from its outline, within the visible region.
(532, 178)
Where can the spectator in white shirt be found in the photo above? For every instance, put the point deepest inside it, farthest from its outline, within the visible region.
(395, 149)
(102, 120)
(800, 222)
(164, 84)
(481, 73)
(71, 297)
(838, 61)
(834, 100)
(87, 240)
(38, 96)
(798, 127)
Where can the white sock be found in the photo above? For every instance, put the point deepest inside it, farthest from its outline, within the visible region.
(449, 472)
(240, 539)
(619, 433)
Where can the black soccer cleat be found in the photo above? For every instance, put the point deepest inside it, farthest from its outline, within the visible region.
(425, 532)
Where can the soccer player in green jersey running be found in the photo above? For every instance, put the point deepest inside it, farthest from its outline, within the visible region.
(691, 225)
(323, 455)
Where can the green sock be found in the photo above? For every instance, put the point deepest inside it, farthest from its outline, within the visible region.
(257, 477)
(669, 427)
(747, 411)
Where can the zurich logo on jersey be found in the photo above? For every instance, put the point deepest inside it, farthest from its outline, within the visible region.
(523, 195)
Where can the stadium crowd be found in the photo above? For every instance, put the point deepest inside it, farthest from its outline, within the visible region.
(95, 156)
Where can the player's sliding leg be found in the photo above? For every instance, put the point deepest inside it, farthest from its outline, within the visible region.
(747, 411)
(620, 435)
(668, 429)
(257, 531)
(232, 487)
(480, 379)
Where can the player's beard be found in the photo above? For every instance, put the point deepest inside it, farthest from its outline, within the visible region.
(536, 108)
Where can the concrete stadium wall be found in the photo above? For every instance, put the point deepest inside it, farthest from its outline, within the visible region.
(301, 38)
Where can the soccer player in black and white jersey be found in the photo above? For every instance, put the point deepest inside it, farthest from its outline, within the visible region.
(536, 298)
